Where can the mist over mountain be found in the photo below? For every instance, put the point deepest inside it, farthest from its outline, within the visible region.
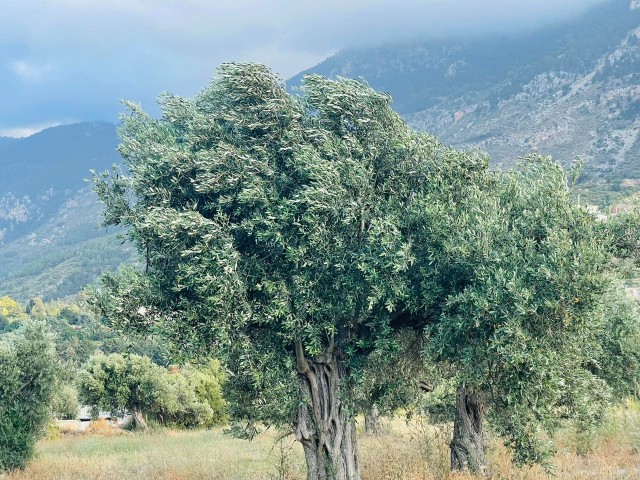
(566, 90)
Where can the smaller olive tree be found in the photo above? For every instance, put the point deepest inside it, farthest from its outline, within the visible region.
(29, 369)
(187, 398)
(518, 279)
(119, 383)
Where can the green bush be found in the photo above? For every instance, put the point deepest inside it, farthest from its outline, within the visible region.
(185, 409)
(65, 405)
(187, 399)
(207, 382)
(29, 369)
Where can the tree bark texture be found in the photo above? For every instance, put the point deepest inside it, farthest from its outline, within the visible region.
(467, 446)
(324, 428)
(373, 421)
(138, 419)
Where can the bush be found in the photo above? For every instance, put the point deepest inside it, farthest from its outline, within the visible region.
(188, 399)
(198, 393)
(29, 369)
(65, 405)
(207, 384)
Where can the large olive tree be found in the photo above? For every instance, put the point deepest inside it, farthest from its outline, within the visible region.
(271, 231)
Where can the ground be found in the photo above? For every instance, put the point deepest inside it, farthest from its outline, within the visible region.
(414, 451)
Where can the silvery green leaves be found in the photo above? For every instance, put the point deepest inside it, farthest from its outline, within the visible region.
(30, 368)
(292, 235)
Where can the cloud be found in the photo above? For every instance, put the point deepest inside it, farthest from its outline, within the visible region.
(31, 72)
(77, 58)
(27, 131)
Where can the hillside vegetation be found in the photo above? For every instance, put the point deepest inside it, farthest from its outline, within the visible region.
(51, 243)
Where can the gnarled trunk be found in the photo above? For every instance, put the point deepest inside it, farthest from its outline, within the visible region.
(324, 428)
(467, 446)
(139, 422)
(373, 422)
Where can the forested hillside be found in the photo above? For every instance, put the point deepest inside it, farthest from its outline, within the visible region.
(50, 241)
(39, 173)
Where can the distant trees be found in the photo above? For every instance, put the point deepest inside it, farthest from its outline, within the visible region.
(65, 404)
(131, 383)
(11, 313)
(29, 369)
(10, 309)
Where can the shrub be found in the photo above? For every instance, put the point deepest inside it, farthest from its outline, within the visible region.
(65, 405)
(29, 369)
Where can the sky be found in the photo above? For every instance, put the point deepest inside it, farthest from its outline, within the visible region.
(65, 61)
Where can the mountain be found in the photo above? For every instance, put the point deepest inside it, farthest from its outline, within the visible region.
(64, 254)
(567, 89)
(38, 174)
(51, 244)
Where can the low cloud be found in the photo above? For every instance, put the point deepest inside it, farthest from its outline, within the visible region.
(77, 58)
(26, 131)
(31, 72)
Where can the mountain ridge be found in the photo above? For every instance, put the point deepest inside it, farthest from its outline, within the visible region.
(566, 90)
(40, 172)
(576, 92)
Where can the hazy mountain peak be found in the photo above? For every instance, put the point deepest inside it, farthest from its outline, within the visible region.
(569, 89)
(39, 173)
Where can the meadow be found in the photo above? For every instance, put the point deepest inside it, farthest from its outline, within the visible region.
(411, 450)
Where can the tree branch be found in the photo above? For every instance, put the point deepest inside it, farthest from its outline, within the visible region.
(301, 362)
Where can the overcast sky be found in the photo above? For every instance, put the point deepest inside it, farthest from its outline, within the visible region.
(63, 61)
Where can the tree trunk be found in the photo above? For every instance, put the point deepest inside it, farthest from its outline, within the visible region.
(373, 422)
(324, 427)
(467, 446)
(139, 422)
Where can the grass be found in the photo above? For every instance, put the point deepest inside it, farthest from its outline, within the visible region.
(414, 451)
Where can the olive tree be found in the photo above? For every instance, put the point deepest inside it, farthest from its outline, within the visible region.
(521, 274)
(29, 369)
(187, 398)
(119, 383)
(273, 235)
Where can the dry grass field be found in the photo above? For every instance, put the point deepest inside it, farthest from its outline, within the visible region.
(414, 451)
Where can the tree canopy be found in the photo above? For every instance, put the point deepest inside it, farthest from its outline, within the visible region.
(524, 272)
(295, 237)
(133, 384)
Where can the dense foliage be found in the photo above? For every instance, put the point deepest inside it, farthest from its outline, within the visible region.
(301, 238)
(29, 367)
(269, 228)
(526, 272)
